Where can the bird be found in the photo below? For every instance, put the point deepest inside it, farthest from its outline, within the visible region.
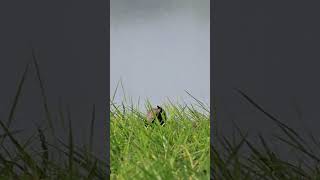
(156, 113)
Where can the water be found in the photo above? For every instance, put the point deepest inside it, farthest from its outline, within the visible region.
(159, 49)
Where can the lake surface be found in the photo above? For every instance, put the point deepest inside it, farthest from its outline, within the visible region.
(159, 49)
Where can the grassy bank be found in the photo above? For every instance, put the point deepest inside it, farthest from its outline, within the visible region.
(178, 150)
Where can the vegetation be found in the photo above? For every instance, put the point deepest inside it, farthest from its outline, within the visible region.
(178, 150)
(243, 159)
(44, 155)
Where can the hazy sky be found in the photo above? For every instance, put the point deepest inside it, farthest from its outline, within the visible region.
(161, 48)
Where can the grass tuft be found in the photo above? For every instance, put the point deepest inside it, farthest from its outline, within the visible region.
(178, 149)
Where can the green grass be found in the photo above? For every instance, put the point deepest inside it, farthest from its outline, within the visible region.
(239, 158)
(44, 155)
(178, 150)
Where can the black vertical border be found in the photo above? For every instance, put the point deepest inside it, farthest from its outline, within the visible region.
(108, 88)
(24, 16)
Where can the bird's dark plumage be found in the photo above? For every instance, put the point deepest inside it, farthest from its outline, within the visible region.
(156, 113)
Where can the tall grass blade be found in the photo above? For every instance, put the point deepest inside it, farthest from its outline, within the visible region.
(281, 124)
(115, 92)
(17, 96)
(199, 102)
(43, 94)
(92, 128)
(24, 155)
(45, 150)
(71, 145)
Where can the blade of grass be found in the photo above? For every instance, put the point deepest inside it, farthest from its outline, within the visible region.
(43, 94)
(115, 92)
(71, 148)
(200, 103)
(45, 150)
(92, 171)
(282, 125)
(92, 128)
(17, 95)
(25, 156)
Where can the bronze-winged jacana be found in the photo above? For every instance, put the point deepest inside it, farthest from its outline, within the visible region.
(156, 113)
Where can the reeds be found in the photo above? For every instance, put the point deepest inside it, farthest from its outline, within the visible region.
(26, 163)
(181, 149)
(178, 150)
(262, 161)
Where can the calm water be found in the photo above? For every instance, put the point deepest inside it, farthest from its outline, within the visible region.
(159, 49)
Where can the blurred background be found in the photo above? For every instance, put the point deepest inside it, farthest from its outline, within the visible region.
(270, 50)
(159, 49)
(71, 41)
